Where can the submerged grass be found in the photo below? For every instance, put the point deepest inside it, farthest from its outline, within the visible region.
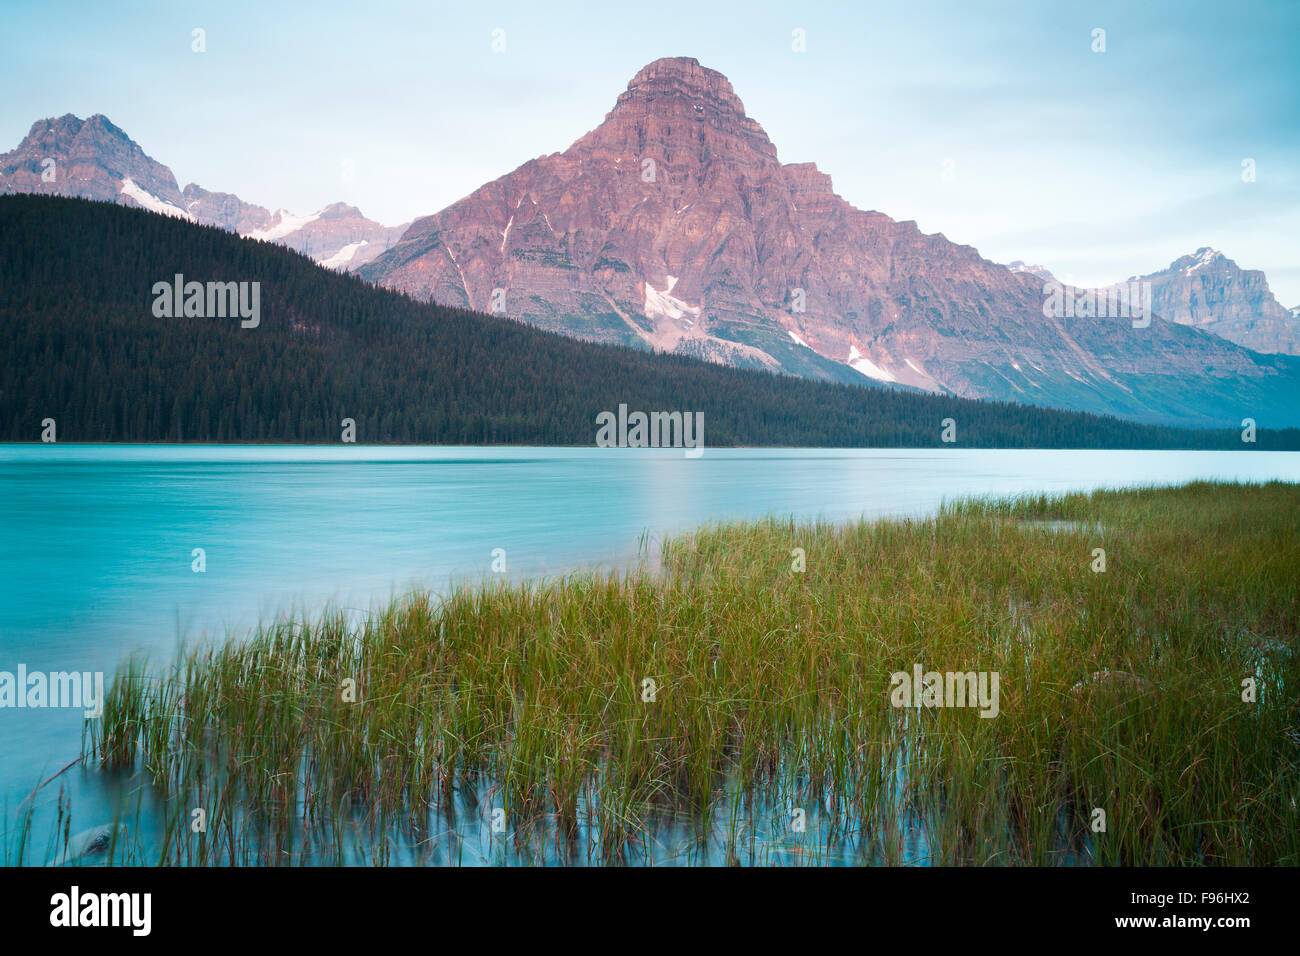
(1120, 691)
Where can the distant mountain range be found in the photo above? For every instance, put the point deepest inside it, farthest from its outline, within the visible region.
(674, 226)
(1209, 291)
(84, 348)
(93, 159)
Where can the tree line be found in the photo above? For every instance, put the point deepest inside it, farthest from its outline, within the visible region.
(82, 346)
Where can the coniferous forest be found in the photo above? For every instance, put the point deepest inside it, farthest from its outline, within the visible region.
(83, 346)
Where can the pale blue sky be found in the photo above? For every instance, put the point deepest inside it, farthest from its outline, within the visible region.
(1097, 165)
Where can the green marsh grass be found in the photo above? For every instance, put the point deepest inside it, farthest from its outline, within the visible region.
(1119, 691)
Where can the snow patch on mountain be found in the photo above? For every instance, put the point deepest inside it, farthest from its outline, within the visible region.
(151, 202)
(859, 362)
(284, 222)
(668, 306)
(341, 258)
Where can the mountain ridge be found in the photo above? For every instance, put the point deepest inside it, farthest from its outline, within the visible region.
(95, 159)
(85, 348)
(674, 225)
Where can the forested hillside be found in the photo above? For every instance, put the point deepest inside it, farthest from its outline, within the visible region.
(83, 346)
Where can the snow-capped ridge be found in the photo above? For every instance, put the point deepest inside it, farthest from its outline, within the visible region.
(284, 222)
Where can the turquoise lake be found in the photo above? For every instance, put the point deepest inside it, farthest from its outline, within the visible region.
(97, 542)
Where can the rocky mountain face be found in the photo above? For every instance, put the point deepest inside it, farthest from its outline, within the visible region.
(87, 159)
(1208, 291)
(675, 225)
(93, 159)
(223, 209)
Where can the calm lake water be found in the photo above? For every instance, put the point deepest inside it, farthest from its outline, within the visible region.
(96, 542)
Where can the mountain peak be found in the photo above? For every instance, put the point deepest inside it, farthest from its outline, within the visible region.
(705, 92)
(1202, 257)
(1209, 291)
(340, 210)
(680, 70)
(90, 159)
(100, 121)
(682, 115)
(69, 125)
